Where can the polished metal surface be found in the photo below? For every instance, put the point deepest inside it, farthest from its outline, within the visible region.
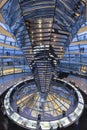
(64, 105)
(43, 30)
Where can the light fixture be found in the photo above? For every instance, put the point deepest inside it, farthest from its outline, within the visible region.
(40, 25)
(40, 34)
(54, 40)
(54, 36)
(40, 21)
(50, 25)
(77, 14)
(40, 38)
(32, 40)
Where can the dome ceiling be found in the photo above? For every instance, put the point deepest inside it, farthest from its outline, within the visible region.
(43, 30)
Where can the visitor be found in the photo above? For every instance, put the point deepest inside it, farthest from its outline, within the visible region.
(51, 128)
(39, 117)
(18, 109)
(64, 113)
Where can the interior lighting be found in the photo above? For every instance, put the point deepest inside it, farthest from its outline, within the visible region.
(40, 25)
(50, 25)
(54, 36)
(40, 38)
(54, 40)
(77, 14)
(32, 40)
(40, 44)
(40, 21)
(40, 34)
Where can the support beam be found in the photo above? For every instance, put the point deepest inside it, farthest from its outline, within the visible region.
(8, 46)
(80, 42)
(82, 30)
(4, 32)
(2, 3)
(1, 19)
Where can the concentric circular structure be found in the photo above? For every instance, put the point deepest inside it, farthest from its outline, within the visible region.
(43, 30)
(63, 105)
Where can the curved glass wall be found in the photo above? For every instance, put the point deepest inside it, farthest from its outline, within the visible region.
(75, 58)
(11, 58)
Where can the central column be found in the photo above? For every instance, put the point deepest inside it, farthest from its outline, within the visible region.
(40, 32)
